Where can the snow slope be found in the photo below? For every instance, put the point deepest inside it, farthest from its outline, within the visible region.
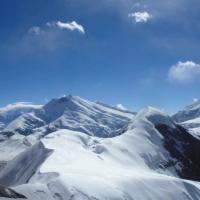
(137, 164)
(20, 169)
(24, 124)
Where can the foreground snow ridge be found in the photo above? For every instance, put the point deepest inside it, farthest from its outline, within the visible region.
(75, 149)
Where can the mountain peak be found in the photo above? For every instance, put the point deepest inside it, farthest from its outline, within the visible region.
(56, 107)
(64, 100)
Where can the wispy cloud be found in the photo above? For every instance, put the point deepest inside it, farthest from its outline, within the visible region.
(50, 36)
(46, 38)
(173, 11)
(140, 17)
(184, 72)
(71, 26)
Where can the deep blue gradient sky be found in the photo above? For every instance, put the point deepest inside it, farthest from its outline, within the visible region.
(116, 61)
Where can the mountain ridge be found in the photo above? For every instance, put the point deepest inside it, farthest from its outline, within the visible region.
(86, 150)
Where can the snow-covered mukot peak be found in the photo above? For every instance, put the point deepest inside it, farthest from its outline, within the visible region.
(73, 113)
(92, 118)
(57, 107)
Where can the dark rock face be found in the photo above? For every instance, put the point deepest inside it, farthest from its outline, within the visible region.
(184, 148)
(9, 193)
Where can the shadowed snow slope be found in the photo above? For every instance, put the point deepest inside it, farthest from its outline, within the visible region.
(22, 167)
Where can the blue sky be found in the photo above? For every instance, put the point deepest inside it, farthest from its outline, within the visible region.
(134, 53)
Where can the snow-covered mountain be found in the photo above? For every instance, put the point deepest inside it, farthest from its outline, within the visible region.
(92, 151)
(190, 112)
(71, 113)
(12, 111)
(190, 117)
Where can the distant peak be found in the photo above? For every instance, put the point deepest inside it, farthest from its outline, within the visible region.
(194, 105)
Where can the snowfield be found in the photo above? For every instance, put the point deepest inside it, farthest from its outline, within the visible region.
(137, 163)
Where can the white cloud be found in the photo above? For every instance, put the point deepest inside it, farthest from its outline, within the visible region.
(49, 37)
(171, 10)
(184, 72)
(140, 17)
(120, 106)
(72, 26)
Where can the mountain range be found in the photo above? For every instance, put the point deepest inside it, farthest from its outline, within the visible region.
(72, 148)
